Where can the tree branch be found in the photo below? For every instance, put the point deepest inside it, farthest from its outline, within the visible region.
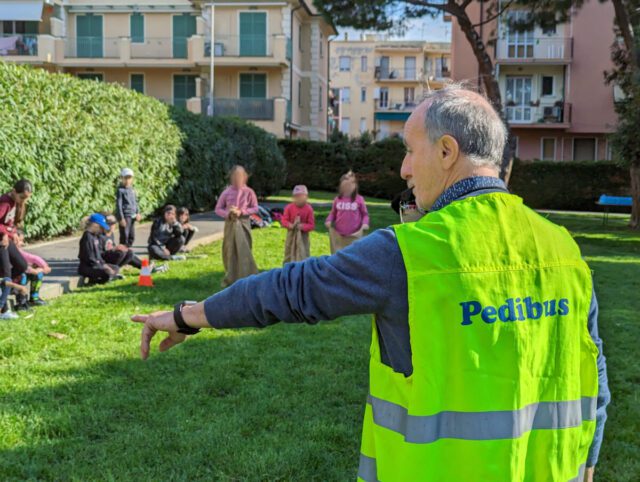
(420, 3)
(624, 24)
(491, 19)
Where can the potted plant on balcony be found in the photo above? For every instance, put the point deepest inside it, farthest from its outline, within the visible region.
(510, 103)
(534, 103)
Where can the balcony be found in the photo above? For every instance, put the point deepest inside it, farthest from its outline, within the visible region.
(546, 116)
(406, 105)
(549, 50)
(402, 75)
(250, 109)
(92, 48)
(159, 48)
(254, 50)
(18, 45)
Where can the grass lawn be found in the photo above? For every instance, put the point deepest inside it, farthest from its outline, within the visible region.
(278, 404)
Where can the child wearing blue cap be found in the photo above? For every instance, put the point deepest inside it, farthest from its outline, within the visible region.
(92, 265)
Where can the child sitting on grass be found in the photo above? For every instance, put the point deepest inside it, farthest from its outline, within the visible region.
(119, 254)
(188, 229)
(348, 218)
(166, 238)
(92, 264)
(37, 268)
(299, 220)
(7, 284)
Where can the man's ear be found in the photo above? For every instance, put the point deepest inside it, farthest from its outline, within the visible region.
(448, 151)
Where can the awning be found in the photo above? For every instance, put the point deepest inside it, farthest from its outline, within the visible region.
(392, 116)
(27, 11)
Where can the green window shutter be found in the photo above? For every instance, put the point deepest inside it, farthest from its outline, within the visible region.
(137, 27)
(184, 26)
(89, 36)
(31, 28)
(137, 82)
(253, 86)
(184, 87)
(253, 34)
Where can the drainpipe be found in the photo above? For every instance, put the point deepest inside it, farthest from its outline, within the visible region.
(330, 39)
(212, 54)
(481, 38)
(291, 68)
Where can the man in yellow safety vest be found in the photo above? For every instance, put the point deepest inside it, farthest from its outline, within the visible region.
(486, 364)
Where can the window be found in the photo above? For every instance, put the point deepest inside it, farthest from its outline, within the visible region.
(253, 34)
(410, 68)
(363, 94)
(345, 125)
(136, 23)
(345, 64)
(253, 86)
(547, 85)
(91, 76)
(321, 41)
(19, 27)
(136, 82)
(184, 88)
(363, 125)
(584, 149)
(548, 149)
(519, 44)
(409, 96)
(299, 93)
(549, 29)
(345, 95)
(364, 63)
(320, 99)
(519, 99)
(384, 97)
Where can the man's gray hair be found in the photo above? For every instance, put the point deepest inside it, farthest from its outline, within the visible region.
(475, 125)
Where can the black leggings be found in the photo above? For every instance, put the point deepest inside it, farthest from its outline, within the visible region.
(122, 258)
(97, 274)
(173, 245)
(128, 232)
(12, 264)
(188, 234)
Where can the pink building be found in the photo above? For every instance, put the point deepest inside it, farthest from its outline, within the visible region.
(551, 81)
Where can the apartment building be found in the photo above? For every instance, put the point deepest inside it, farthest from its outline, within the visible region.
(269, 59)
(551, 81)
(376, 83)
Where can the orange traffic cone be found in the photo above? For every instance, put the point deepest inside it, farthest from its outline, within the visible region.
(145, 274)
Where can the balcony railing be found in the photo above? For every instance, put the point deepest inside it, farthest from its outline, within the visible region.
(157, 48)
(240, 46)
(19, 45)
(92, 47)
(384, 73)
(535, 48)
(558, 113)
(252, 109)
(396, 105)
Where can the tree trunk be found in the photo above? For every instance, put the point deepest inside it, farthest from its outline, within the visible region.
(490, 84)
(634, 222)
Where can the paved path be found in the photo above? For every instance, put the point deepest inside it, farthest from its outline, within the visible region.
(62, 254)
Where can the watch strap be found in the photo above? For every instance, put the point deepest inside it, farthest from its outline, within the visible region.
(179, 320)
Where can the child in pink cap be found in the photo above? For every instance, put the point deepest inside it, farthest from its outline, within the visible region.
(299, 220)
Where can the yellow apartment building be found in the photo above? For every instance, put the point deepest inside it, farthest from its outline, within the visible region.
(270, 59)
(376, 83)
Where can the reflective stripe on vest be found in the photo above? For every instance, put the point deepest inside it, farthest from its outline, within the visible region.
(481, 425)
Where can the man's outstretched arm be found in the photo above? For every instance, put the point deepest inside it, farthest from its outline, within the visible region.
(353, 281)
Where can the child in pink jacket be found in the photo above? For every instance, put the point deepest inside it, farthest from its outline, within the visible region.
(349, 217)
(34, 275)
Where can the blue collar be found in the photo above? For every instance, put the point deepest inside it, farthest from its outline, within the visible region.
(467, 187)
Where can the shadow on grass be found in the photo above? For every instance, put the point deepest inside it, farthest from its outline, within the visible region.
(246, 405)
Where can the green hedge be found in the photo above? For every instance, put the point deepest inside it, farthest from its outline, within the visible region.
(71, 138)
(542, 184)
(570, 185)
(212, 145)
(319, 165)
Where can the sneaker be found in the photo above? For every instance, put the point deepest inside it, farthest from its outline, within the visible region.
(24, 306)
(117, 276)
(163, 268)
(178, 257)
(8, 315)
(38, 302)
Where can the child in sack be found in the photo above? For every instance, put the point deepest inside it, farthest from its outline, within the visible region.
(299, 220)
(349, 217)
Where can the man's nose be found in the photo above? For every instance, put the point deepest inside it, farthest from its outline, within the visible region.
(405, 170)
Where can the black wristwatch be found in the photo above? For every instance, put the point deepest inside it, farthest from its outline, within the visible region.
(179, 320)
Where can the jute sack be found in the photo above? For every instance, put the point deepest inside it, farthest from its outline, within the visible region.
(339, 242)
(236, 251)
(296, 246)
